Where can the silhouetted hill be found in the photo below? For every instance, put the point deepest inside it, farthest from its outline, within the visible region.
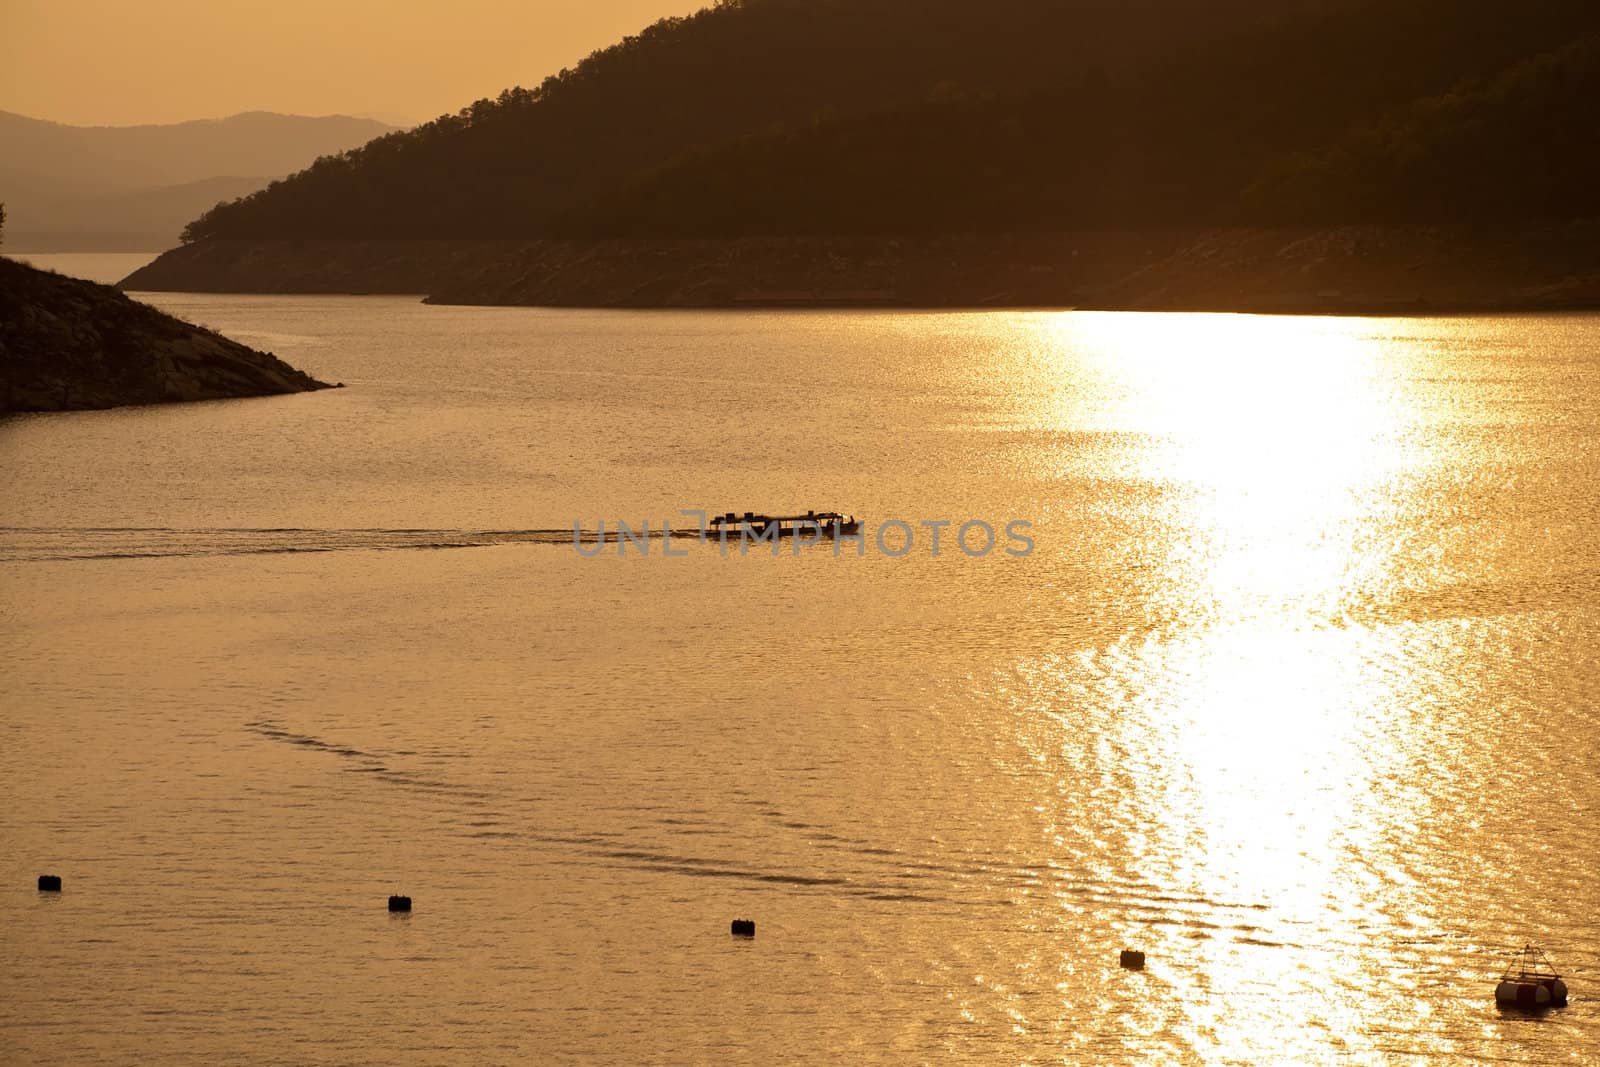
(111, 187)
(508, 167)
(1043, 151)
(1302, 133)
(68, 344)
(803, 116)
(1523, 144)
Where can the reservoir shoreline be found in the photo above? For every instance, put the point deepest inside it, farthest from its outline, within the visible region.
(1353, 270)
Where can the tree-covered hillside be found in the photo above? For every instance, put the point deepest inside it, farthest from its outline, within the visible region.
(1523, 144)
(839, 116)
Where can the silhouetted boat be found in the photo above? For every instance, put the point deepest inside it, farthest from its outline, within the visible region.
(812, 523)
(1530, 983)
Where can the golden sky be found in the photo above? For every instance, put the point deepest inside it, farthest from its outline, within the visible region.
(120, 62)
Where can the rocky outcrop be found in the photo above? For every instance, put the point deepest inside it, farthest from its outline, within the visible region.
(1326, 270)
(68, 344)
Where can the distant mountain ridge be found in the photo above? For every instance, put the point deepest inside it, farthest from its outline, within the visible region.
(125, 157)
(105, 188)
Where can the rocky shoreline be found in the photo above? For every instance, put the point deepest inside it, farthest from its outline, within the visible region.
(1332, 270)
(68, 344)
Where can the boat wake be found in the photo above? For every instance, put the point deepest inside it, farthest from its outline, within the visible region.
(45, 544)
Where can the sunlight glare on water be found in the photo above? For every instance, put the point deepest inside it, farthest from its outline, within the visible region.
(1297, 694)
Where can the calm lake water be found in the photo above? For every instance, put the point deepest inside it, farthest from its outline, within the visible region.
(1299, 693)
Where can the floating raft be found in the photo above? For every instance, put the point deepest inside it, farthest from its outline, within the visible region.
(812, 524)
(1530, 983)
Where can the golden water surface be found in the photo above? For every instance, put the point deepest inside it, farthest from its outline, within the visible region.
(1297, 694)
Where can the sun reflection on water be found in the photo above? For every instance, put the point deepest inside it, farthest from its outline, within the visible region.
(1252, 722)
(1279, 437)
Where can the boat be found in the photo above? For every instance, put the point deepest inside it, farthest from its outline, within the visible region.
(1530, 983)
(812, 523)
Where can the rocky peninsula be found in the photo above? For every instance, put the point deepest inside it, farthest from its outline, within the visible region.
(68, 344)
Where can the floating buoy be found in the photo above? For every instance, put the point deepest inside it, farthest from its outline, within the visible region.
(49, 883)
(399, 903)
(1530, 983)
(1522, 995)
(744, 928)
(1132, 960)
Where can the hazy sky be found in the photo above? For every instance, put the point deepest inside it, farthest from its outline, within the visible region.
(119, 62)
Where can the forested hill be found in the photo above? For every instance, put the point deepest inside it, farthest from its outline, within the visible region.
(1522, 144)
(507, 167)
(871, 116)
(1518, 144)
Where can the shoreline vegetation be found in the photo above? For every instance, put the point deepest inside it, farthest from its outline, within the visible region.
(70, 345)
(1356, 269)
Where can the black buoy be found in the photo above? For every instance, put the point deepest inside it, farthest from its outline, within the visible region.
(1132, 960)
(49, 883)
(744, 928)
(399, 903)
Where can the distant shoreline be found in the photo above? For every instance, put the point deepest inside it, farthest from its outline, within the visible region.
(1352, 270)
